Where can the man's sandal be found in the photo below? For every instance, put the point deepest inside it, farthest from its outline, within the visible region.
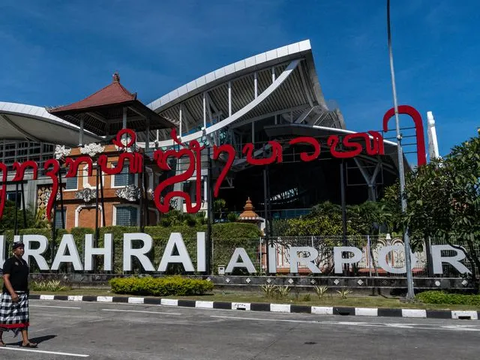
(30, 345)
(2, 344)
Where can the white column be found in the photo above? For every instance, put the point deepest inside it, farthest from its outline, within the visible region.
(255, 84)
(229, 98)
(204, 111)
(181, 120)
(205, 190)
(124, 118)
(432, 137)
(80, 135)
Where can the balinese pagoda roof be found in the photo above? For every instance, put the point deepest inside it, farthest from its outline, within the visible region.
(248, 214)
(102, 111)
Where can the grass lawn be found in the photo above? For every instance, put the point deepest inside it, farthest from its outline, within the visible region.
(328, 299)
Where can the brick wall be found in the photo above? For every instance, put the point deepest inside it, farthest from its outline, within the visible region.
(86, 213)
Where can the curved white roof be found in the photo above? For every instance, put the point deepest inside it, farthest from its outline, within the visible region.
(235, 70)
(20, 121)
(279, 82)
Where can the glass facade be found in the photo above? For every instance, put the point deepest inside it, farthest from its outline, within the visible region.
(58, 218)
(126, 216)
(20, 151)
(124, 178)
(15, 197)
(71, 183)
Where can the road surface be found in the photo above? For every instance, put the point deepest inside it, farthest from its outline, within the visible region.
(69, 330)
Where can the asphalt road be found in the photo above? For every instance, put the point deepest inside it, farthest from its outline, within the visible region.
(67, 330)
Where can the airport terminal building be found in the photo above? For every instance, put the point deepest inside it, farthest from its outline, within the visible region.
(275, 95)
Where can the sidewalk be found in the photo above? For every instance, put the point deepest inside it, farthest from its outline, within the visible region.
(272, 307)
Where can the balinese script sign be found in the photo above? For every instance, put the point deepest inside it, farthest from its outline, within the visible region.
(305, 256)
(347, 146)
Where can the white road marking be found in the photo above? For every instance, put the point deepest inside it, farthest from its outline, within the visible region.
(400, 326)
(459, 327)
(45, 352)
(57, 307)
(260, 319)
(362, 324)
(142, 311)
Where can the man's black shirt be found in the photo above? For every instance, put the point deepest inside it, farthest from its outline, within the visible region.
(18, 270)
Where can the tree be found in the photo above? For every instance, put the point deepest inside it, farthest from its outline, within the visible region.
(444, 201)
(8, 219)
(219, 208)
(324, 219)
(369, 217)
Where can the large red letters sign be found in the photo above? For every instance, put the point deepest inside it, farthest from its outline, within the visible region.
(347, 146)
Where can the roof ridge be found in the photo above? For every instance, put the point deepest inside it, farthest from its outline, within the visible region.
(110, 91)
(125, 90)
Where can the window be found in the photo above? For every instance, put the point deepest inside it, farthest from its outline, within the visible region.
(58, 218)
(71, 183)
(124, 178)
(15, 197)
(126, 216)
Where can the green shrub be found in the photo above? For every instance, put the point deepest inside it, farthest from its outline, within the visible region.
(232, 217)
(283, 291)
(307, 297)
(51, 285)
(164, 286)
(229, 236)
(321, 290)
(440, 297)
(226, 237)
(190, 220)
(269, 290)
(344, 292)
(227, 231)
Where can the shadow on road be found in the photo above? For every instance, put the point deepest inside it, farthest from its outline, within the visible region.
(37, 340)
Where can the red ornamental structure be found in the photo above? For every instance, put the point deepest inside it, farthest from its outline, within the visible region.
(348, 146)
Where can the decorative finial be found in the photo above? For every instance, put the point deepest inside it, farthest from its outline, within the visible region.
(116, 77)
(248, 206)
(249, 214)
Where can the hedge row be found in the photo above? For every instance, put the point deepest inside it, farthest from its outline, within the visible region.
(165, 286)
(226, 237)
(440, 297)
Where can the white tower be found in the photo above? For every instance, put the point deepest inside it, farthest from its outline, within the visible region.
(432, 137)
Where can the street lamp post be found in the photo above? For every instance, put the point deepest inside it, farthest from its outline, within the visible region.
(406, 239)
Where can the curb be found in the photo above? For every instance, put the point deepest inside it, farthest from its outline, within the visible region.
(279, 308)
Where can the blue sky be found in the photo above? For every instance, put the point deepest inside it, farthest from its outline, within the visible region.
(57, 52)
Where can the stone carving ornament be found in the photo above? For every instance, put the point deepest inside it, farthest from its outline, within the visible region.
(86, 194)
(130, 193)
(61, 152)
(92, 149)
